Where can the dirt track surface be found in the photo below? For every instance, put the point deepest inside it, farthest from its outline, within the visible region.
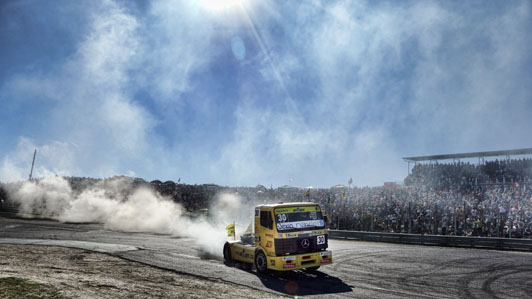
(359, 269)
(83, 274)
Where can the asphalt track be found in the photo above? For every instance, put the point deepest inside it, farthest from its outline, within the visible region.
(360, 269)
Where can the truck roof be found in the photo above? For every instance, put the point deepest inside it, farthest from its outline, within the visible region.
(287, 204)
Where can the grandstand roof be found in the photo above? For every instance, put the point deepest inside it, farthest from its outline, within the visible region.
(522, 151)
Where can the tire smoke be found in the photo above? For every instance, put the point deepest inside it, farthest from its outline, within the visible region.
(120, 205)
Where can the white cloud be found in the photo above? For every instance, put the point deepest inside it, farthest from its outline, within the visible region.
(54, 158)
(93, 107)
(91, 97)
(393, 80)
(177, 49)
(344, 89)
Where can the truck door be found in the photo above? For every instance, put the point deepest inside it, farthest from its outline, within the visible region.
(266, 227)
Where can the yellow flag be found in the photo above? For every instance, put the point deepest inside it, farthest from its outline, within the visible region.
(230, 230)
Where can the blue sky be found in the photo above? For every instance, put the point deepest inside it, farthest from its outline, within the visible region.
(259, 92)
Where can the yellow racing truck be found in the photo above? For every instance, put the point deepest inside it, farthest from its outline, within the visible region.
(287, 236)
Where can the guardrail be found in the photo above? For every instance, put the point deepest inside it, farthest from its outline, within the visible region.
(452, 241)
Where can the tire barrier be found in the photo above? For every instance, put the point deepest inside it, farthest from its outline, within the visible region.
(451, 241)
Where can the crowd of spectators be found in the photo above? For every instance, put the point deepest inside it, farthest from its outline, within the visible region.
(492, 200)
(499, 211)
(469, 176)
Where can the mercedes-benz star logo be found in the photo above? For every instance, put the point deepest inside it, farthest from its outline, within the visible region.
(305, 243)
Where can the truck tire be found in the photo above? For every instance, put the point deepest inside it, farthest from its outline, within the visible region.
(227, 254)
(261, 263)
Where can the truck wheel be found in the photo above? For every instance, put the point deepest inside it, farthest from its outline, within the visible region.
(227, 254)
(261, 263)
(311, 269)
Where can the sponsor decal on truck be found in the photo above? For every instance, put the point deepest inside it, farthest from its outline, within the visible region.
(299, 224)
(289, 265)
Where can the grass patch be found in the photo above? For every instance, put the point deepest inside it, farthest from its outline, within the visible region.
(13, 287)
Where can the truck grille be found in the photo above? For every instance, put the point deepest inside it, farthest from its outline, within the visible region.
(296, 245)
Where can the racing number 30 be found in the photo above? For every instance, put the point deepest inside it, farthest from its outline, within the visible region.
(281, 217)
(320, 240)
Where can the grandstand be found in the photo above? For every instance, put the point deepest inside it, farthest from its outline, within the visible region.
(445, 175)
(507, 153)
(480, 155)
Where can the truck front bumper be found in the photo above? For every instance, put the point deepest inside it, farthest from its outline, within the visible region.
(299, 261)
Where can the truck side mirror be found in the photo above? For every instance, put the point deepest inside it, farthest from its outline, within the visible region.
(270, 221)
(325, 219)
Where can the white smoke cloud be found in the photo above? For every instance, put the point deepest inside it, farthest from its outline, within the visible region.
(48, 198)
(120, 206)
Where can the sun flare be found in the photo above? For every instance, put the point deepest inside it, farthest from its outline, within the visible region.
(218, 5)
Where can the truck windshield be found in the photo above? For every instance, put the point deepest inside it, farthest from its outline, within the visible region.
(298, 218)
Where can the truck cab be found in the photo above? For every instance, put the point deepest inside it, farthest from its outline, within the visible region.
(287, 236)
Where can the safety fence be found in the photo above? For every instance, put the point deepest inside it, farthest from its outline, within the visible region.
(452, 241)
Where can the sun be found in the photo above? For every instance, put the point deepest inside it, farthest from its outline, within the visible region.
(218, 5)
